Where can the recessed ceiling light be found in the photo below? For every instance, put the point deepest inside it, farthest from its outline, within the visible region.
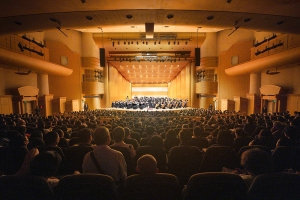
(89, 18)
(279, 23)
(166, 26)
(18, 23)
(210, 17)
(129, 16)
(247, 19)
(170, 16)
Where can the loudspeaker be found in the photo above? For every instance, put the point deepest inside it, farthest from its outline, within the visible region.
(102, 57)
(197, 56)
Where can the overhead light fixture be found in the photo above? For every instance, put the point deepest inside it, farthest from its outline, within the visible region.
(19, 72)
(272, 72)
(83, 1)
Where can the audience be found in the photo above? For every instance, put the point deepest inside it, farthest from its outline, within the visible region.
(45, 158)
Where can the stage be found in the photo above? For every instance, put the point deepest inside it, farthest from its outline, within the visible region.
(149, 109)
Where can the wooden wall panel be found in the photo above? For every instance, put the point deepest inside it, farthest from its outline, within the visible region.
(69, 86)
(230, 86)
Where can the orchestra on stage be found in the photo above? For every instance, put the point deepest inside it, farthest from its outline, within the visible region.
(150, 103)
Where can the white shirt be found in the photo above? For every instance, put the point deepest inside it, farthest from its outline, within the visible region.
(111, 161)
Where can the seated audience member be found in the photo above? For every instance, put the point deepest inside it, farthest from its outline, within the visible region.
(224, 138)
(12, 156)
(74, 154)
(250, 126)
(171, 140)
(197, 140)
(277, 130)
(118, 135)
(35, 140)
(264, 138)
(155, 148)
(255, 162)
(63, 143)
(150, 131)
(103, 159)
(184, 160)
(51, 140)
(241, 139)
(147, 164)
(129, 140)
(46, 165)
(292, 133)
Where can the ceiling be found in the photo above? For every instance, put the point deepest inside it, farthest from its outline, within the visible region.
(120, 16)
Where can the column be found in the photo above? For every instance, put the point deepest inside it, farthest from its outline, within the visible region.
(2, 81)
(43, 84)
(255, 82)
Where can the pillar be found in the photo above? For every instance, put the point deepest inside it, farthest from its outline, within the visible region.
(2, 82)
(43, 84)
(255, 82)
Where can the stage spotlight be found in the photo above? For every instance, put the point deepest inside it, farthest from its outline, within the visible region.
(169, 43)
(146, 43)
(113, 43)
(155, 43)
(174, 42)
(124, 43)
(118, 42)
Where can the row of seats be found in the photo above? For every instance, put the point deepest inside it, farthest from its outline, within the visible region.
(160, 186)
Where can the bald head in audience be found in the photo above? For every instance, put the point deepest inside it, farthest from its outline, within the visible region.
(147, 164)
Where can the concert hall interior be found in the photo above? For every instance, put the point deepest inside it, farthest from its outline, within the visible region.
(235, 55)
(209, 63)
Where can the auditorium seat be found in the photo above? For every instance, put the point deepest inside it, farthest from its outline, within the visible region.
(275, 186)
(215, 185)
(159, 186)
(24, 187)
(86, 186)
(286, 158)
(217, 157)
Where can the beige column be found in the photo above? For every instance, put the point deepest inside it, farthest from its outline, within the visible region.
(209, 46)
(255, 83)
(43, 84)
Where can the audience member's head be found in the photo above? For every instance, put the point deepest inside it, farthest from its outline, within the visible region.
(198, 131)
(239, 132)
(45, 164)
(51, 138)
(101, 136)
(118, 134)
(224, 138)
(256, 161)
(85, 136)
(185, 136)
(156, 141)
(150, 130)
(147, 164)
(171, 134)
